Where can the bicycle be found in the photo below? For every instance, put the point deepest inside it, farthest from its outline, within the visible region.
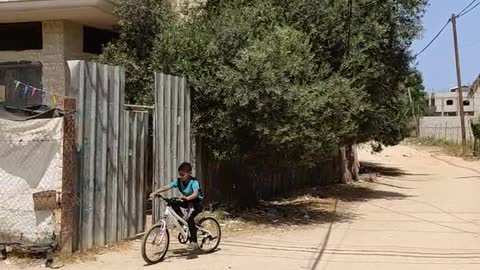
(159, 233)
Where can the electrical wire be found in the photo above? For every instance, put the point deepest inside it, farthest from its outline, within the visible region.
(468, 11)
(469, 8)
(469, 5)
(435, 38)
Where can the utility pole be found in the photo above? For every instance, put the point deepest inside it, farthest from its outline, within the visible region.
(459, 90)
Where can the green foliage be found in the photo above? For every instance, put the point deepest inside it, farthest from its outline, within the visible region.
(476, 128)
(140, 22)
(291, 79)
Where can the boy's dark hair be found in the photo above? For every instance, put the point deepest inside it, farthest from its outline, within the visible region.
(185, 167)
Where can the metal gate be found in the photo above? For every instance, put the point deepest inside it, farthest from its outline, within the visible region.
(172, 126)
(112, 152)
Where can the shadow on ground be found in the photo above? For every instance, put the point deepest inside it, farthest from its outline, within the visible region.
(371, 167)
(312, 206)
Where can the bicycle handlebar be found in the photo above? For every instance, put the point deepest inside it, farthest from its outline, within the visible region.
(168, 200)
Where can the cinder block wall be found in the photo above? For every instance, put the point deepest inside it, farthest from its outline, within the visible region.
(445, 128)
(62, 41)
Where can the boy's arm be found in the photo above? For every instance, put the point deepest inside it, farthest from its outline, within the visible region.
(191, 197)
(163, 189)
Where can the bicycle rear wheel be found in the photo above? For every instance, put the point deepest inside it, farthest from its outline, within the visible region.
(209, 234)
(155, 243)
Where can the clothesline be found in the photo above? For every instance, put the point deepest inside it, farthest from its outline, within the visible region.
(33, 89)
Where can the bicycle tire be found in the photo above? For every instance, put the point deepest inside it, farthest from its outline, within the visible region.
(219, 237)
(144, 243)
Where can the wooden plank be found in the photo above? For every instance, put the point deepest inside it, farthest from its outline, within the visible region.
(168, 131)
(101, 155)
(80, 170)
(156, 165)
(138, 169)
(132, 177)
(141, 147)
(188, 135)
(181, 124)
(121, 177)
(113, 153)
(122, 159)
(160, 140)
(89, 180)
(126, 166)
(175, 124)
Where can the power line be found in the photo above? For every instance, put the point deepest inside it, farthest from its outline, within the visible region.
(468, 11)
(462, 13)
(469, 5)
(435, 38)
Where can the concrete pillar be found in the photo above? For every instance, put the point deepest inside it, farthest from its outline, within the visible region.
(443, 106)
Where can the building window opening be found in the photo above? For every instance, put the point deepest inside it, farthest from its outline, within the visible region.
(449, 102)
(21, 36)
(94, 40)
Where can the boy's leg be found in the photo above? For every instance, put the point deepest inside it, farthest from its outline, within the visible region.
(197, 209)
(178, 209)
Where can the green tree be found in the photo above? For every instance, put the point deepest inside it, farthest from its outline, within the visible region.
(258, 91)
(141, 23)
(290, 79)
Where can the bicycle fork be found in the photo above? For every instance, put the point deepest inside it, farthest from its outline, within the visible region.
(162, 232)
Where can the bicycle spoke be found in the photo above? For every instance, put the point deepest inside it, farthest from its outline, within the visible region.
(208, 234)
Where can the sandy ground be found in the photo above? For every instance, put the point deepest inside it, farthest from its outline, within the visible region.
(424, 213)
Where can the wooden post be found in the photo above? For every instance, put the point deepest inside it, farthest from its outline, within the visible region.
(69, 201)
(446, 130)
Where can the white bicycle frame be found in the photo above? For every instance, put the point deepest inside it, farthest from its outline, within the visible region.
(180, 223)
(170, 214)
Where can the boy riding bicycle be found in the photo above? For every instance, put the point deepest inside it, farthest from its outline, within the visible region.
(192, 197)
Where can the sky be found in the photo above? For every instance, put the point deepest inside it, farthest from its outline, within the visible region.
(437, 64)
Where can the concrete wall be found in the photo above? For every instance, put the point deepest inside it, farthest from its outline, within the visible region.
(73, 37)
(62, 41)
(445, 128)
(476, 103)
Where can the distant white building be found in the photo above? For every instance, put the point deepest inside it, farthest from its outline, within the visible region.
(442, 122)
(446, 103)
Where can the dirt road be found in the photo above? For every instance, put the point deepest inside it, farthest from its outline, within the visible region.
(423, 214)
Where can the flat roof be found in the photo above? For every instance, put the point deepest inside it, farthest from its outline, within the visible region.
(96, 13)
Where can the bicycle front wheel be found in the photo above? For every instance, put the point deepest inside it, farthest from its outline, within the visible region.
(155, 243)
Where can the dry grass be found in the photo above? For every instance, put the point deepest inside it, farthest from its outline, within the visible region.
(90, 255)
(445, 146)
(23, 259)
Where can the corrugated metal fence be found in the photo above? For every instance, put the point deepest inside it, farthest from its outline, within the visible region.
(112, 151)
(172, 137)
